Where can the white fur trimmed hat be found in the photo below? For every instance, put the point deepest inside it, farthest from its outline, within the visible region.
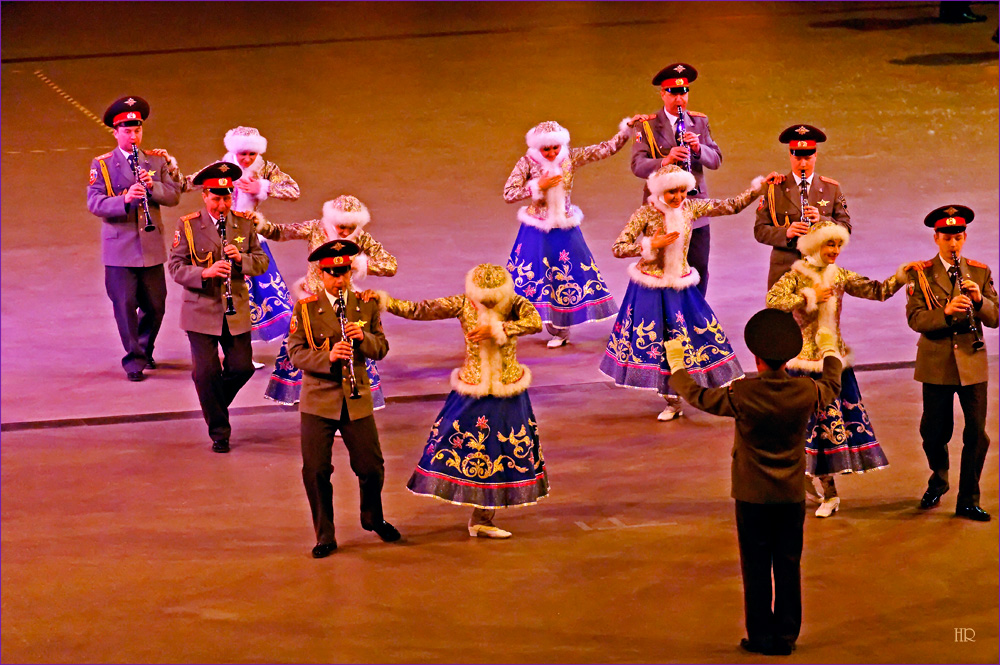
(816, 237)
(345, 209)
(669, 177)
(245, 138)
(489, 284)
(546, 133)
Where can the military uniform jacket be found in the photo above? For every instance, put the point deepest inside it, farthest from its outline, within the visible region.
(645, 162)
(944, 350)
(196, 246)
(772, 412)
(314, 329)
(123, 242)
(780, 207)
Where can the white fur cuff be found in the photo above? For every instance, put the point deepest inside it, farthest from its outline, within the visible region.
(383, 300)
(809, 294)
(265, 189)
(499, 334)
(901, 274)
(757, 185)
(647, 249)
(536, 191)
(623, 127)
(359, 266)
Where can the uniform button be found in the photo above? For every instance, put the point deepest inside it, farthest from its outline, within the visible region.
(956, 346)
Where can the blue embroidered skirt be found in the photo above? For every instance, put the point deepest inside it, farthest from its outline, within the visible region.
(555, 270)
(635, 357)
(270, 302)
(286, 380)
(483, 451)
(841, 438)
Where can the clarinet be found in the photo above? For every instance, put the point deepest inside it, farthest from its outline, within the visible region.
(681, 129)
(340, 308)
(803, 194)
(974, 326)
(230, 308)
(134, 163)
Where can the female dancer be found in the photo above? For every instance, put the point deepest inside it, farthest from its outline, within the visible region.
(661, 302)
(483, 448)
(550, 263)
(344, 217)
(841, 438)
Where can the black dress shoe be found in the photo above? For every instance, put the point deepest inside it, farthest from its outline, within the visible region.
(220, 446)
(136, 376)
(385, 531)
(973, 513)
(931, 498)
(324, 550)
(150, 364)
(962, 17)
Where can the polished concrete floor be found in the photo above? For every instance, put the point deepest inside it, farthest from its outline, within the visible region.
(129, 541)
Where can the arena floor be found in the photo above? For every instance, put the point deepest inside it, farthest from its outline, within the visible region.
(124, 539)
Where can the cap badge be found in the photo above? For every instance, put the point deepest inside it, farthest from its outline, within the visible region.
(950, 211)
(679, 81)
(802, 144)
(131, 116)
(679, 68)
(130, 101)
(223, 182)
(223, 168)
(951, 221)
(802, 130)
(338, 246)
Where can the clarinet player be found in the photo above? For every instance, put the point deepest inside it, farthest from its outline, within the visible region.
(124, 184)
(781, 217)
(943, 305)
(330, 335)
(213, 249)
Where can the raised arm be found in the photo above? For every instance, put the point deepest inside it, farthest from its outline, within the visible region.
(860, 286)
(730, 206)
(628, 243)
(277, 184)
(281, 232)
(604, 149)
(377, 261)
(424, 310)
(527, 322)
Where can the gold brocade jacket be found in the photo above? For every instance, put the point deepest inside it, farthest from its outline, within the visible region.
(523, 184)
(491, 366)
(668, 266)
(377, 261)
(795, 292)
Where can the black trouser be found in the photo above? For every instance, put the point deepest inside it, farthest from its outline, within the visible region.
(770, 536)
(217, 384)
(365, 453)
(698, 255)
(936, 426)
(139, 298)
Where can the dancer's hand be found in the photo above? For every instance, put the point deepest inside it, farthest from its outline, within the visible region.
(480, 333)
(547, 182)
(367, 295)
(659, 241)
(823, 293)
(674, 349)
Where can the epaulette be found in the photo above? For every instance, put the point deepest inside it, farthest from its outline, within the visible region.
(191, 216)
(829, 180)
(311, 298)
(148, 152)
(976, 264)
(239, 213)
(695, 114)
(919, 265)
(104, 156)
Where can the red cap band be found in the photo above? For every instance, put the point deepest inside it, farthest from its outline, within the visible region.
(674, 83)
(126, 116)
(948, 222)
(217, 183)
(800, 144)
(335, 261)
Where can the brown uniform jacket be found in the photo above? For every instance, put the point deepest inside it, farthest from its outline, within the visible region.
(314, 330)
(780, 206)
(204, 307)
(772, 412)
(944, 350)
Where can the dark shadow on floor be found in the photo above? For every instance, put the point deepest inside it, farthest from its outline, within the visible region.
(875, 24)
(941, 59)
